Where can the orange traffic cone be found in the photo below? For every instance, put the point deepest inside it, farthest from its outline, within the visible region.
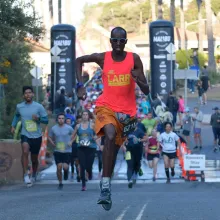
(44, 148)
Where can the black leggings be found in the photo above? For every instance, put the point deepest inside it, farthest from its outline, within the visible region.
(99, 155)
(86, 157)
(134, 164)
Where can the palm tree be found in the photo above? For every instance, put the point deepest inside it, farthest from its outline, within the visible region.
(200, 25)
(182, 26)
(172, 11)
(211, 63)
(153, 9)
(160, 9)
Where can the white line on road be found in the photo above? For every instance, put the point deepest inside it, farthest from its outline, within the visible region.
(141, 212)
(120, 217)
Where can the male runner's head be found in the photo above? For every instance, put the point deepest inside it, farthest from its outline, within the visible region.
(61, 119)
(118, 39)
(168, 127)
(85, 116)
(28, 93)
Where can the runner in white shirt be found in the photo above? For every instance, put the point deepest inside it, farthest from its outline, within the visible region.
(168, 141)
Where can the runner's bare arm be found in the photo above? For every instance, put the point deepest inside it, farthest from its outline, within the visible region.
(75, 132)
(138, 74)
(95, 57)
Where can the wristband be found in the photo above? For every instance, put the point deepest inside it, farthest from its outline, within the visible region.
(79, 85)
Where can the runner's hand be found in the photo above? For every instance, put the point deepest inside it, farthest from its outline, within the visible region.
(70, 143)
(12, 130)
(81, 93)
(35, 117)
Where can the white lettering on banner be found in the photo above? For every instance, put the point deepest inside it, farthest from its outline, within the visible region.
(62, 42)
(162, 39)
(194, 162)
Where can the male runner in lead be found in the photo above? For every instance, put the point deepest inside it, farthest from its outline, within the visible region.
(117, 104)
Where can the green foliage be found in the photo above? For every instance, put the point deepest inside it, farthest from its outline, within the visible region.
(183, 58)
(15, 26)
(215, 6)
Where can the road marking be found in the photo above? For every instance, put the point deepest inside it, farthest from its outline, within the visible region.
(120, 217)
(141, 212)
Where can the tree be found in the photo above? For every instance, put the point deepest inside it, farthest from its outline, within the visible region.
(16, 25)
(182, 26)
(160, 9)
(211, 62)
(200, 25)
(172, 11)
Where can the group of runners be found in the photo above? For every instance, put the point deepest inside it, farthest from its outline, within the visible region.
(115, 123)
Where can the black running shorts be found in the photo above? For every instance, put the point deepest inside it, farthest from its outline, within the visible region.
(62, 157)
(34, 143)
(170, 155)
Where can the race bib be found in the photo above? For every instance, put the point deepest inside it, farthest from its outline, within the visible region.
(30, 125)
(128, 155)
(61, 146)
(129, 127)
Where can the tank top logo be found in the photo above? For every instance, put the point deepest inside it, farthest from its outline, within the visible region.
(118, 79)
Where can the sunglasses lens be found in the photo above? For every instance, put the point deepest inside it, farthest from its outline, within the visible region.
(114, 40)
(122, 40)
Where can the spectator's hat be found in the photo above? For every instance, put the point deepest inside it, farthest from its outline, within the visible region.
(216, 108)
(187, 109)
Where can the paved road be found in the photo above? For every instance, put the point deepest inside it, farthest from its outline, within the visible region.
(191, 201)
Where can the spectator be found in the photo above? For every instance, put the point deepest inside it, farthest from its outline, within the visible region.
(205, 86)
(145, 105)
(173, 106)
(197, 126)
(187, 124)
(200, 92)
(180, 110)
(215, 123)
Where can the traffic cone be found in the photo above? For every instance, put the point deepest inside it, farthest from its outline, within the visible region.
(192, 178)
(44, 148)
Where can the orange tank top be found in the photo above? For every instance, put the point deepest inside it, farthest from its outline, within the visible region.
(119, 86)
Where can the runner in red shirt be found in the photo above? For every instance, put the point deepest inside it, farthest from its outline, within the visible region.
(116, 107)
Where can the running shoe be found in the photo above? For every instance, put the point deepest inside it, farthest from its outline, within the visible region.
(196, 147)
(172, 173)
(140, 172)
(78, 179)
(154, 179)
(65, 174)
(34, 177)
(83, 188)
(105, 196)
(215, 149)
(168, 180)
(27, 179)
(130, 184)
(60, 186)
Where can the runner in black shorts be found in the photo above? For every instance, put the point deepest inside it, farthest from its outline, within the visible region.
(60, 137)
(168, 141)
(32, 114)
(74, 155)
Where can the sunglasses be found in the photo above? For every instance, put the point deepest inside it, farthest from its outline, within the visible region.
(116, 40)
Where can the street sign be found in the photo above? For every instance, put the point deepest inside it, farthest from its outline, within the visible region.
(55, 59)
(3, 79)
(171, 56)
(185, 74)
(55, 50)
(171, 48)
(37, 82)
(194, 162)
(36, 72)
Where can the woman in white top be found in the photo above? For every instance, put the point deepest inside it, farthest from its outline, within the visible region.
(168, 141)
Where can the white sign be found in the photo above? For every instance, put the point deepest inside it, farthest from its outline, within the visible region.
(37, 82)
(171, 48)
(194, 162)
(55, 50)
(36, 72)
(185, 74)
(55, 59)
(171, 56)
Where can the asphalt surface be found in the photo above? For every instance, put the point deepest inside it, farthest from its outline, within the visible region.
(189, 201)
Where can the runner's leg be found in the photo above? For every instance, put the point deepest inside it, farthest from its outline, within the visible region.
(155, 162)
(82, 162)
(166, 166)
(90, 157)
